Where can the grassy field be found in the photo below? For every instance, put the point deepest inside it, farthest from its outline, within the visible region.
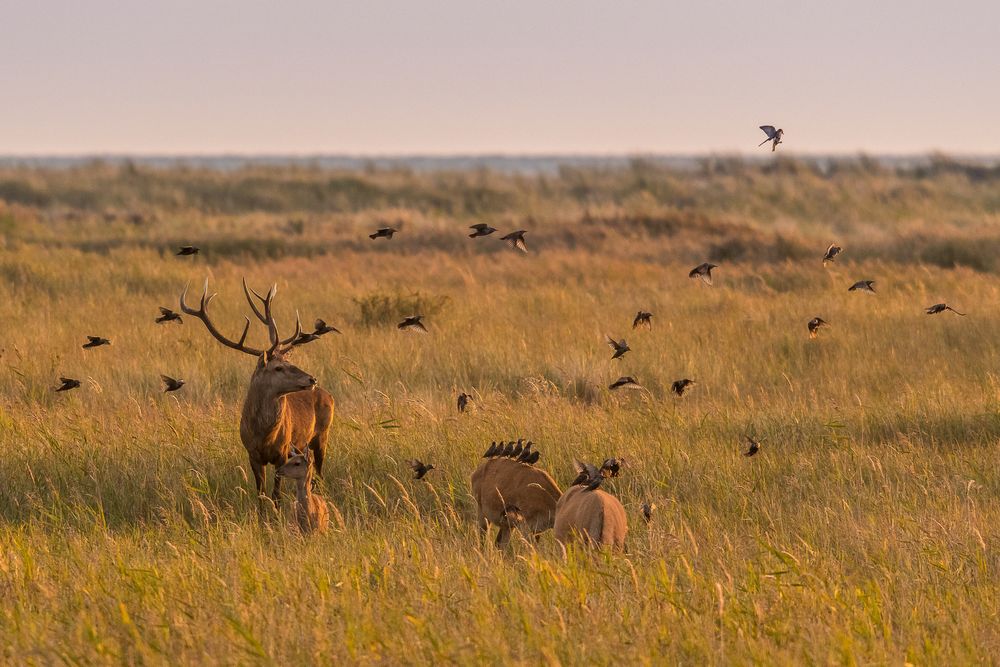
(865, 531)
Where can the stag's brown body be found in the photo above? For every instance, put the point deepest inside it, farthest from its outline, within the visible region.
(596, 517)
(499, 483)
(283, 407)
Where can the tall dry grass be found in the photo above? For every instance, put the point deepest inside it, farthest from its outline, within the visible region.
(864, 531)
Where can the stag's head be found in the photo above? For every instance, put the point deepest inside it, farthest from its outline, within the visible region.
(274, 371)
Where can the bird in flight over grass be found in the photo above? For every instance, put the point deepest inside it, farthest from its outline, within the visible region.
(619, 346)
(680, 386)
(626, 382)
(321, 328)
(95, 341)
(612, 467)
(463, 401)
(754, 446)
(419, 468)
(773, 135)
(940, 308)
(412, 323)
(384, 232)
(703, 271)
(516, 240)
(863, 286)
(647, 511)
(643, 319)
(167, 315)
(170, 384)
(831, 252)
(186, 250)
(815, 324)
(67, 383)
(481, 229)
(304, 338)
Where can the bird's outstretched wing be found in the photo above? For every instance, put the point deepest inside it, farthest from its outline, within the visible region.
(769, 131)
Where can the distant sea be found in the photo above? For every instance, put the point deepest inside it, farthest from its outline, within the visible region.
(511, 164)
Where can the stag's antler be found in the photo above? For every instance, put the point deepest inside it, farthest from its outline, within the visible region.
(202, 314)
(268, 319)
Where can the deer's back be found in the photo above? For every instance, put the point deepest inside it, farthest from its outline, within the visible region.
(500, 482)
(595, 516)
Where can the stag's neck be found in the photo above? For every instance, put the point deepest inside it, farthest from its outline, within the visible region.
(263, 411)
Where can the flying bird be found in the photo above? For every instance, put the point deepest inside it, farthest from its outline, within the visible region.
(832, 252)
(619, 346)
(516, 240)
(940, 308)
(170, 384)
(95, 341)
(304, 338)
(643, 319)
(420, 469)
(815, 324)
(481, 229)
(680, 386)
(612, 467)
(703, 271)
(186, 250)
(384, 232)
(773, 136)
(463, 401)
(412, 323)
(625, 381)
(647, 511)
(321, 328)
(67, 384)
(863, 286)
(754, 446)
(167, 315)
(585, 472)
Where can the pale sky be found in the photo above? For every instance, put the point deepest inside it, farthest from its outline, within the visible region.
(503, 76)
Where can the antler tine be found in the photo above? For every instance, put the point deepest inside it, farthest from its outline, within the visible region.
(287, 343)
(202, 314)
(272, 327)
(253, 306)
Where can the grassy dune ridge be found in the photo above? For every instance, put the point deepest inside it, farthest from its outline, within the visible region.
(864, 531)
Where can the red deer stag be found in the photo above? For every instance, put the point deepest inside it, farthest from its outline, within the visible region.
(283, 407)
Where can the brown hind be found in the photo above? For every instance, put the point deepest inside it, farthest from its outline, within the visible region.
(283, 407)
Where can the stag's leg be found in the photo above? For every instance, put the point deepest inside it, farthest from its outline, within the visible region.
(276, 492)
(258, 476)
(318, 446)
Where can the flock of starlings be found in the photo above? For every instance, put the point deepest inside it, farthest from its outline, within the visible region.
(505, 497)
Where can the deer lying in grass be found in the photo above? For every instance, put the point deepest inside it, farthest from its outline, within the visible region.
(310, 510)
(511, 493)
(586, 512)
(283, 406)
